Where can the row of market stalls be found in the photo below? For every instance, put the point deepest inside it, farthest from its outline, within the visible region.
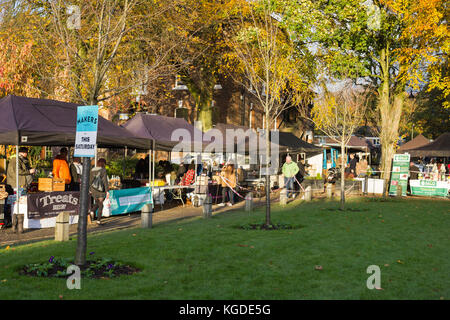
(222, 139)
(243, 146)
(44, 122)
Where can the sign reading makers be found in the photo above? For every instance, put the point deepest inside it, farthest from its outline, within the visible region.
(86, 137)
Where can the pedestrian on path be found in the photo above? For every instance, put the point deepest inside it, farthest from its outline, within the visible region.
(289, 169)
(228, 176)
(98, 181)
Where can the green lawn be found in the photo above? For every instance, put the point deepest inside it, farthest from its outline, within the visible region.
(212, 259)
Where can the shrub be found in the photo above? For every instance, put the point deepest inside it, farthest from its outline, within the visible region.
(116, 167)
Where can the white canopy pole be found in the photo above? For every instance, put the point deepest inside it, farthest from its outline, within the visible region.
(149, 166)
(154, 164)
(124, 159)
(236, 167)
(260, 166)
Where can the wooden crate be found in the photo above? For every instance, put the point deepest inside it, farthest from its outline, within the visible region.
(49, 184)
(58, 184)
(45, 184)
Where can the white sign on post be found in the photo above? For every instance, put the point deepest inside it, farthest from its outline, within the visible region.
(86, 136)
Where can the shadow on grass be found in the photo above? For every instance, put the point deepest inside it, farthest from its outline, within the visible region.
(271, 227)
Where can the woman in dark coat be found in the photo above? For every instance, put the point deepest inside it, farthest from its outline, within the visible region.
(98, 195)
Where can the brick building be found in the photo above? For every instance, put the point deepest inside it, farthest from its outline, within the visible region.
(231, 103)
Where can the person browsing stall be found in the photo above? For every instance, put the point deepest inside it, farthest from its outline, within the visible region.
(189, 176)
(25, 170)
(25, 179)
(76, 169)
(98, 181)
(228, 177)
(61, 167)
(289, 170)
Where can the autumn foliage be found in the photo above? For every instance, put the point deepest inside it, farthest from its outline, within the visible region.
(16, 68)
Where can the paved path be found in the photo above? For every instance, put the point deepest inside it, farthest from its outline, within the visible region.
(169, 213)
(7, 237)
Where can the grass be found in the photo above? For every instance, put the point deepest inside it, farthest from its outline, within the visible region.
(213, 259)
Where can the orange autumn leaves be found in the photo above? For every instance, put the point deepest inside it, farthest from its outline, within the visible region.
(427, 32)
(16, 68)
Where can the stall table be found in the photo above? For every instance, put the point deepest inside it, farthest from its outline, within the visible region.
(175, 191)
(374, 186)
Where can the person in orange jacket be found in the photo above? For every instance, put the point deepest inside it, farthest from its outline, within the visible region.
(61, 167)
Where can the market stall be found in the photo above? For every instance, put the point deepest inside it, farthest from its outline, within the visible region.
(245, 148)
(43, 122)
(417, 142)
(438, 148)
(168, 132)
(433, 179)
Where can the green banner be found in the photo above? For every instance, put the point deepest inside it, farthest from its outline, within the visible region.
(399, 174)
(429, 188)
(129, 200)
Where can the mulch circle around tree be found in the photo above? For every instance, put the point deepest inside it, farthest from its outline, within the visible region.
(274, 226)
(96, 269)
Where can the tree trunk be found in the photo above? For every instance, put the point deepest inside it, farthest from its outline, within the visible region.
(391, 114)
(343, 157)
(202, 98)
(390, 109)
(387, 152)
(268, 214)
(80, 256)
(205, 115)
